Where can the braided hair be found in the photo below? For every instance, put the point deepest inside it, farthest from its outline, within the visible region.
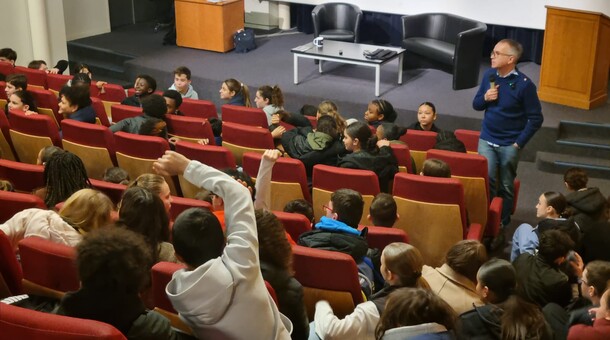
(64, 174)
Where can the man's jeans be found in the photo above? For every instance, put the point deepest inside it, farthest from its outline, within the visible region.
(502, 160)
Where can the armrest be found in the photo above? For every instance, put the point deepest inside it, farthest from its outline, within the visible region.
(470, 39)
(475, 232)
(316, 16)
(494, 215)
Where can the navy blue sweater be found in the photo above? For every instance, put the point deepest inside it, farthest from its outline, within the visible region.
(515, 116)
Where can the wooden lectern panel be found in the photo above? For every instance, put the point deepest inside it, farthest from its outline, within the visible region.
(208, 25)
(575, 59)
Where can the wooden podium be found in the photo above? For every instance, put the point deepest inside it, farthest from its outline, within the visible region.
(575, 58)
(208, 25)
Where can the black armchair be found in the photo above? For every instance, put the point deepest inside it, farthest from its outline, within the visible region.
(447, 42)
(337, 21)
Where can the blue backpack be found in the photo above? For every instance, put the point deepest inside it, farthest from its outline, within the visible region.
(244, 40)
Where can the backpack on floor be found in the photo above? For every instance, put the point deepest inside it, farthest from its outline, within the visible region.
(244, 40)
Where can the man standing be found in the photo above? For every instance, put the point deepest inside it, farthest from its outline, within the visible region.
(512, 115)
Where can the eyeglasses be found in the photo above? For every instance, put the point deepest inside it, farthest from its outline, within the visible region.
(495, 54)
(326, 208)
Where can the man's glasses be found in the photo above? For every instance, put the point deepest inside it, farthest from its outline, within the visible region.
(497, 54)
(326, 208)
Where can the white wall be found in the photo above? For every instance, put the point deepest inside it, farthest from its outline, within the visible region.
(84, 18)
(520, 13)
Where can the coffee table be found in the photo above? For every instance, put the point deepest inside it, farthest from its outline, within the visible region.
(347, 53)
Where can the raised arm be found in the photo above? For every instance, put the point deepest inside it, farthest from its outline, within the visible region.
(263, 180)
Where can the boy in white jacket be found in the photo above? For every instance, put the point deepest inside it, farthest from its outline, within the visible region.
(221, 294)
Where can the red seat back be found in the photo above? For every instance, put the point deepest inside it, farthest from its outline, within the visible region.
(190, 127)
(470, 138)
(120, 112)
(56, 81)
(198, 108)
(419, 140)
(216, 156)
(46, 99)
(24, 177)
(149, 147)
(244, 115)
(332, 178)
(248, 136)
(88, 134)
(100, 111)
(22, 323)
(37, 125)
(14, 202)
(380, 237)
(112, 190)
(6, 68)
(403, 156)
(49, 264)
(10, 269)
(35, 77)
(112, 92)
(294, 224)
(161, 275)
(180, 204)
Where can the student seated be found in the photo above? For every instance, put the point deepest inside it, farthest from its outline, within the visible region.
(270, 99)
(41, 65)
(157, 185)
(506, 315)
(116, 175)
(415, 313)
(154, 107)
(75, 103)
(182, 83)
(276, 266)
(235, 92)
(368, 154)
(173, 100)
(64, 174)
(585, 204)
(319, 146)
(222, 288)
(83, 212)
(145, 86)
(44, 155)
(84, 69)
(435, 168)
(300, 206)
(383, 211)
(8, 55)
(455, 281)
(22, 101)
(401, 266)
(114, 268)
(329, 108)
(14, 82)
(379, 111)
(601, 325)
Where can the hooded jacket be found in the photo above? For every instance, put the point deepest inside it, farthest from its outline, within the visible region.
(190, 92)
(226, 297)
(335, 235)
(296, 143)
(384, 164)
(585, 205)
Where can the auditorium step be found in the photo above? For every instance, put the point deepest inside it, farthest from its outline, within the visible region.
(584, 145)
(103, 63)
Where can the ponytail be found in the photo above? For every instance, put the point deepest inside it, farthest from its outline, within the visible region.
(521, 320)
(277, 97)
(246, 94)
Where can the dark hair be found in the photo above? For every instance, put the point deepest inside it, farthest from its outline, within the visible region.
(216, 125)
(197, 236)
(362, 132)
(153, 127)
(348, 205)
(391, 131)
(273, 94)
(26, 98)
(576, 178)
(143, 212)
(556, 200)
(328, 125)
(116, 175)
(152, 83)
(466, 257)
(154, 106)
(238, 87)
(554, 244)
(429, 104)
(35, 64)
(521, 319)
(175, 95)
(598, 275)
(300, 206)
(18, 80)
(242, 176)
(114, 260)
(436, 168)
(386, 109)
(81, 67)
(273, 245)
(64, 174)
(414, 306)
(81, 78)
(383, 210)
(308, 110)
(49, 151)
(183, 70)
(77, 95)
(8, 53)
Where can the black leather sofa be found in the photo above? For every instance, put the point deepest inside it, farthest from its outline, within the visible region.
(446, 42)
